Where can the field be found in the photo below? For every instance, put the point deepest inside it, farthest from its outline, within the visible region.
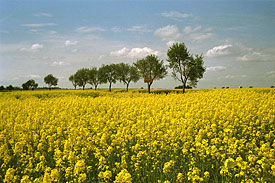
(217, 135)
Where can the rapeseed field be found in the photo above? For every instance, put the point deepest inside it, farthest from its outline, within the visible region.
(218, 135)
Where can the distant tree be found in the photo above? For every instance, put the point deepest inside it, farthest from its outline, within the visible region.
(93, 77)
(50, 80)
(108, 74)
(185, 66)
(272, 86)
(152, 67)
(30, 84)
(72, 79)
(2, 88)
(82, 77)
(10, 87)
(181, 86)
(127, 73)
(250, 86)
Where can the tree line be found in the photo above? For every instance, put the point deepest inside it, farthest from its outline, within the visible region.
(186, 68)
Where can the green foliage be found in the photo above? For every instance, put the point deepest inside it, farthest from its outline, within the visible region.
(81, 77)
(186, 67)
(93, 77)
(108, 74)
(50, 80)
(181, 86)
(72, 79)
(2, 88)
(30, 84)
(127, 73)
(151, 66)
(10, 87)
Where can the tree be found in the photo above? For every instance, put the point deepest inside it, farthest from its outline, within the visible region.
(2, 88)
(50, 80)
(108, 74)
(93, 77)
(186, 67)
(72, 79)
(127, 73)
(152, 67)
(10, 87)
(30, 84)
(81, 77)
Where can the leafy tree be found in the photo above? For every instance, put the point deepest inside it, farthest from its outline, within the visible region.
(93, 77)
(127, 73)
(186, 67)
(108, 74)
(2, 88)
(82, 77)
(50, 80)
(10, 87)
(72, 79)
(152, 67)
(30, 84)
(180, 87)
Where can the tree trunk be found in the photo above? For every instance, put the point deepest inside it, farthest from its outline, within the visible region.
(75, 87)
(95, 87)
(83, 87)
(183, 87)
(110, 86)
(127, 87)
(149, 87)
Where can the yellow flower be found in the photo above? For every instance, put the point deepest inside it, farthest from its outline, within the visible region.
(123, 177)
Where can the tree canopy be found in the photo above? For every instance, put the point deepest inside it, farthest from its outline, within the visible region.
(50, 80)
(151, 66)
(108, 74)
(186, 67)
(72, 79)
(93, 77)
(127, 73)
(81, 77)
(30, 84)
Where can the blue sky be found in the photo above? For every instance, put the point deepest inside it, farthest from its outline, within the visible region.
(58, 37)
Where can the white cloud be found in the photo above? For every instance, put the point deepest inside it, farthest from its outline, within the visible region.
(271, 74)
(196, 33)
(39, 25)
(36, 46)
(135, 52)
(34, 76)
(189, 29)
(218, 51)
(256, 56)
(101, 57)
(121, 52)
(116, 29)
(175, 15)
(141, 52)
(168, 33)
(170, 43)
(59, 63)
(70, 43)
(52, 32)
(235, 76)
(216, 68)
(75, 50)
(43, 15)
(202, 36)
(85, 29)
(139, 28)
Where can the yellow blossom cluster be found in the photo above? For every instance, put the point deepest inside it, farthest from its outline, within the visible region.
(218, 135)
